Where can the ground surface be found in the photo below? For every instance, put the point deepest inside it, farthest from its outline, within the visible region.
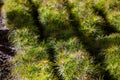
(6, 53)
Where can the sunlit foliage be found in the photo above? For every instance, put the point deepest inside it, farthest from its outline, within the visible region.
(65, 39)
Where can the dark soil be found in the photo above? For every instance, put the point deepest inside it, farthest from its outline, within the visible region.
(7, 52)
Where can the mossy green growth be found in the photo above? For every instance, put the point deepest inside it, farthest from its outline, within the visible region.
(17, 15)
(62, 54)
(73, 61)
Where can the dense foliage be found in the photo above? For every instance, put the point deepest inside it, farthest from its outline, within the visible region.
(65, 39)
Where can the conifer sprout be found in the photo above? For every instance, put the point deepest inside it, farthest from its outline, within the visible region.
(64, 39)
